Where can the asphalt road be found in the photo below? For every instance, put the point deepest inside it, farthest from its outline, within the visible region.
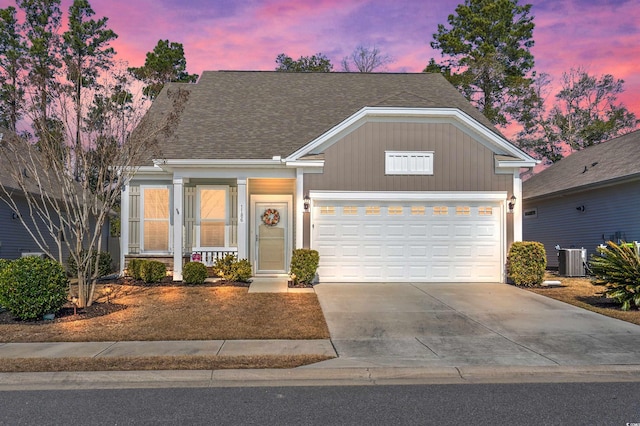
(469, 404)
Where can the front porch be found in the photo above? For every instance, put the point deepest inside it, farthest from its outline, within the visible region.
(218, 216)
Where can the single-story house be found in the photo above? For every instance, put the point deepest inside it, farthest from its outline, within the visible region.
(586, 199)
(391, 177)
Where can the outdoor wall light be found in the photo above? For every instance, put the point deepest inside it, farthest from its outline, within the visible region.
(512, 203)
(307, 202)
(580, 208)
(15, 216)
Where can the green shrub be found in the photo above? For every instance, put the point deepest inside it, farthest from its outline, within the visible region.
(194, 273)
(526, 263)
(229, 268)
(152, 271)
(304, 264)
(105, 263)
(618, 268)
(31, 287)
(4, 263)
(241, 271)
(223, 267)
(135, 268)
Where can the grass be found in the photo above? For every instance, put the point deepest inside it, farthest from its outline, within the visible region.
(136, 313)
(582, 293)
(184, 313)
(23, 365)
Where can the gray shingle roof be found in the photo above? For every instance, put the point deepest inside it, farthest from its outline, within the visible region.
(601, 164)
(259, 115)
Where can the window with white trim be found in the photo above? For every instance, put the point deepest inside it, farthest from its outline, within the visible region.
(372, 210)
(394, 210)
(154, 205)
(350, 210)
(440, 210)
(327, 210)
(463, 211)
(418, 210)
(485, 211)
(408, 162)
(211, 219)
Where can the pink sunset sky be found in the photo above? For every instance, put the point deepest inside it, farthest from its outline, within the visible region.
(603, 36)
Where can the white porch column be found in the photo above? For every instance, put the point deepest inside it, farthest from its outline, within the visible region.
(178, 224)
(517, 209)
(124, 226)
(299, 208)
(243, 224)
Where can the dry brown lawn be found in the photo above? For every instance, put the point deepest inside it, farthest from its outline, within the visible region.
(582, 293)
(173, 313)
(24, 365)
(183, 313)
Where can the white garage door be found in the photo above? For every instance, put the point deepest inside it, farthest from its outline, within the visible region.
(420, 241)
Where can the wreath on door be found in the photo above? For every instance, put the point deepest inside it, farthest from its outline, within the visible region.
(271, 217)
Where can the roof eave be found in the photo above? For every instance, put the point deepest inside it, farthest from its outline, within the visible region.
(582, 188)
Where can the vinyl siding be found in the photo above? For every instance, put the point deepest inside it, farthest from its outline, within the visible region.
(15, 239)
(609, 213)
(271, 186)
(357, 162)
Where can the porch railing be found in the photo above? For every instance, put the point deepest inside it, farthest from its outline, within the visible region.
(208, 255)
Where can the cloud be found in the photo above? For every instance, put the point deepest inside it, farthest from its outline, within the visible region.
(600, 35)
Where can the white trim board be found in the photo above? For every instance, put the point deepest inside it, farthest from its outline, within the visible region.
(409, 196)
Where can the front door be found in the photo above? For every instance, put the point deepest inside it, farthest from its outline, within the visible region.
(271, 235)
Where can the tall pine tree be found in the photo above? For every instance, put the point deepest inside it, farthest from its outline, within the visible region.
(486, 55)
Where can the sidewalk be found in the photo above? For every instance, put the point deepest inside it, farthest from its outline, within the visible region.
(166, 348)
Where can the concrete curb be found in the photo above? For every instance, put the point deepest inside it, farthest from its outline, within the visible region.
(317, 377)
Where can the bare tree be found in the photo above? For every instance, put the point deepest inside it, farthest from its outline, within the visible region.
(366, 59)
(71, 188)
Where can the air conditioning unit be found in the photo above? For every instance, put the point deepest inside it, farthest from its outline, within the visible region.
(571, 262)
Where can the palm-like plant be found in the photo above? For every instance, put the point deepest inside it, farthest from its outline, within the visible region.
(618, 268)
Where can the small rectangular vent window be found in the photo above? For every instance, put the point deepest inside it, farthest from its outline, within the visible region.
(463, 211)
(327, 210)
(395, 210)
(440, 211)
(372, 210)
(485, 211)
(408, 162)
(417, 210)
(530, 213)
(350, 210)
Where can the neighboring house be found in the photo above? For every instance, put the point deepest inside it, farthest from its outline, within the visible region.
(586, 199)
(15, 239)
(391, 177)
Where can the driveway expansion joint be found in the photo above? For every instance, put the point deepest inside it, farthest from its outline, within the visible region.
(427, 346)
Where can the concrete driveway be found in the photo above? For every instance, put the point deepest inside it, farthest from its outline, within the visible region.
(458, 324)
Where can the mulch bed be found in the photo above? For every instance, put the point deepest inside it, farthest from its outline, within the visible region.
(66, 314)
(168, 282)
(291, 284)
